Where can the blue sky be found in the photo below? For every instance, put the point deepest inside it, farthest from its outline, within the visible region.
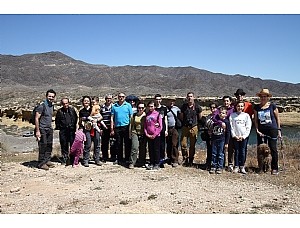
(264, 46)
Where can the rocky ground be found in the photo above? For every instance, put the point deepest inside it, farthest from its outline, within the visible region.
(113, 189)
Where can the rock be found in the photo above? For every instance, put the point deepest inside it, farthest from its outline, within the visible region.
(17, 189)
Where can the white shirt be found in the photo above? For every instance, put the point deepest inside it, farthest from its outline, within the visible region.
(241, 124)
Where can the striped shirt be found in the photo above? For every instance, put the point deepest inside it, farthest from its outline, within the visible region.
(106, 113)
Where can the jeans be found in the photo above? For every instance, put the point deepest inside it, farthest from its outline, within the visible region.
(87, 146)
(122, 137)
(105, 145)
(239, 152)
(271, 140)
(154, 149)
(138, 149)
(190, 133)
(66, 139)
(172, 145)
(45, 146)
(217, 160)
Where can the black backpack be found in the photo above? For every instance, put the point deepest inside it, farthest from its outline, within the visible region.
(32, 118)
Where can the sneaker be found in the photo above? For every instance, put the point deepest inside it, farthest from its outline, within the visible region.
(235, 169)
(242, 170)
(219, 171)
(212, 170)
(156, 167)
(149, 167)
(85, 164)
(230, 168)
(131, 166)
(50, 164)
(274, 172)
(99, 163)
(174, 165)
(44, 167)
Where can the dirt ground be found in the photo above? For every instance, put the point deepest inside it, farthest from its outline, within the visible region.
(113, 189)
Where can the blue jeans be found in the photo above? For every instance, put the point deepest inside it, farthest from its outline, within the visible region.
(240, 152)
(217, 159)
(87, 146)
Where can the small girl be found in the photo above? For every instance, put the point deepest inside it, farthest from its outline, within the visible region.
(240, 123)
(95, 115)
(77, 147)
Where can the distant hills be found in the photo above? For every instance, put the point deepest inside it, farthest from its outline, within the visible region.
(57, 70)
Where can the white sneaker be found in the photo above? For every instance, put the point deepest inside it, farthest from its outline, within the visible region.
(235, 169)
(242, 170)
(230, 168)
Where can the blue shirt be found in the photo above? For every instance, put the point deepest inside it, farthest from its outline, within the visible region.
(121, 114)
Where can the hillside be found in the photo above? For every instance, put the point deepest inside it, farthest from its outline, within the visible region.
(56, 70)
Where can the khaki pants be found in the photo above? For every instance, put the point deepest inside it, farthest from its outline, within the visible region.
(190, 133)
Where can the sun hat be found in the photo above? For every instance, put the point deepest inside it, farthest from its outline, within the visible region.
(240, 92)
(264, 92)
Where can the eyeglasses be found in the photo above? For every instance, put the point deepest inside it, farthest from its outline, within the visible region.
(121, 96)
(141, 107)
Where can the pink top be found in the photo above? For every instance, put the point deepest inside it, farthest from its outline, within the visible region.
(151, 119)
(79, 136)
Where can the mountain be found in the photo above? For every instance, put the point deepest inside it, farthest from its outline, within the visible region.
(57, 70)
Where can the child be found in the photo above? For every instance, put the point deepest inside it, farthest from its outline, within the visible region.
(95, 115)
(240, 123)
(219, 141)
(152, 129)
(77, 147)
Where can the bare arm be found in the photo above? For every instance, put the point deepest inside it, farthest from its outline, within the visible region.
(276, 113)
(37, 126)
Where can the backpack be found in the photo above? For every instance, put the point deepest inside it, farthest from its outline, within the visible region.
(32, 118)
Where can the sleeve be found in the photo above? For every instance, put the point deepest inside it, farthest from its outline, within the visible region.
(232, 127)
(40, 108)
(216, 119)
(227, 132)
(248, 126)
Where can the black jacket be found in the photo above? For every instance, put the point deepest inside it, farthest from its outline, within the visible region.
(66, 119)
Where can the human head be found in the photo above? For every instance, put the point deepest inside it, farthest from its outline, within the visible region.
(239, 106)
(50, 95)
(223, 112)
(190, 97)
(95, 100)
(158, 99)
(65, 102)
(141, 107)
(213, 106)
(108, 98)
(121, 97)
(264, 95)
(227, 101)
(86, 101)
(239, 94)
(151, 106)
(172, 101)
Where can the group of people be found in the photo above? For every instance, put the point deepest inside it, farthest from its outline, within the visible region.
(136, 128)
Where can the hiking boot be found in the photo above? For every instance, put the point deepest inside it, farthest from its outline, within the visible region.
(212, 170)
(131, 166)
(230, 168)
(242, 170)
(98, 163)
(219, 171)
(50, 164)
(44, 167)
(235, 169)
(274, 172)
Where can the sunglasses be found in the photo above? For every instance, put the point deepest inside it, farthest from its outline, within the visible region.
(121, 96)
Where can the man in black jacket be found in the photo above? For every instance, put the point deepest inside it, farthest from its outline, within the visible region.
(66, 122)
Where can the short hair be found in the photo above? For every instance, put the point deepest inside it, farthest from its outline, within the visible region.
(108, 95)
(230, 98)
(157, 95)
(50, 91)
(64, 98)
(223, 108)
(190, 93)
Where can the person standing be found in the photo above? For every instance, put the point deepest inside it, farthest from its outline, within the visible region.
(138, 139)
(240, 124)
(44, 130)
(84, 121)
(267, 124)
(162, 109)
(105, 111)
(190, 115)
(173, 136)
(240, 96)
(121, 114)
(153, 129)
(66, 122)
